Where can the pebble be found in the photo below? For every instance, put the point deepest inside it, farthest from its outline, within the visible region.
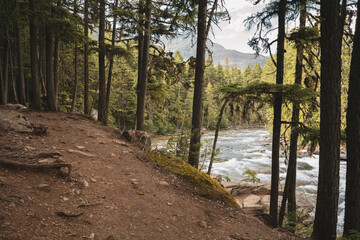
(92, 236)
(203, 224)
(84, 183)
(44, 187)
(66, 198)
(93, 180)
(169, 204)
(163, 183)
(134, 181)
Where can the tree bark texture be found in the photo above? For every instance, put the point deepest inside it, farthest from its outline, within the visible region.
(143, 77)
(75, 86)
(332, 24)
(352, 193)
(35, 93)
(56, 67)
(5, 68)
(102, 81)
(277, 116)
(86, 58)
(50, 87)
(21, 80)
(194, 150)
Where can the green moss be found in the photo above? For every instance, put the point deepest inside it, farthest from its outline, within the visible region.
(206, 186)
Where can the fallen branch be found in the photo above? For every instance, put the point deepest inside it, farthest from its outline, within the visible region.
(12, 164)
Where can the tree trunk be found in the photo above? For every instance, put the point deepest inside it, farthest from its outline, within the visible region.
(213, 151)
(194, 150)
(111, 60)
(290, 183)
(352, 195)
(42, 65)
(143, 68)
(56, 68)
(76, 50)
(5, 68)
(86, 58)
(21, 80)
(102, 88)
(75, 86)
(274, 195)
(35, 92)
(50, 88)
(12, 93)
(328, 185)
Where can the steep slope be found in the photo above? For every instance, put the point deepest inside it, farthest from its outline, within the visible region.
(219, 53)
(114, 191)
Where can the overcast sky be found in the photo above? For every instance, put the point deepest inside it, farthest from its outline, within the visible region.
(234, 35)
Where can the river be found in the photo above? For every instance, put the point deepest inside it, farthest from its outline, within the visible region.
(251, 149)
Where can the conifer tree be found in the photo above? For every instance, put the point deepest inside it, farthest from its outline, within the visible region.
(333, 17)
(352, 195)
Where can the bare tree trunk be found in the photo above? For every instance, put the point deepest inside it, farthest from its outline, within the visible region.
(42, 60)
(56, 68)
(194, 149)
(35, 92)
(5, 72)
(50, 88)
(352, 195)
(290, 183)
(213, 151)
(332, 25)
(86, 58)
(102, 88)
(111, 60)
(21, 80)
(142, 81)
(75, 86)
(277, 115)
(13, 95)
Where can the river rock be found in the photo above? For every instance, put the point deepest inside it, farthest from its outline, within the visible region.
(141, 138)
(304, 166)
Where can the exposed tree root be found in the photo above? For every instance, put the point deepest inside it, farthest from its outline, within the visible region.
(35, 167)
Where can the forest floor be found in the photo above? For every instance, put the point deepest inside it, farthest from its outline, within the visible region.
(113, 192)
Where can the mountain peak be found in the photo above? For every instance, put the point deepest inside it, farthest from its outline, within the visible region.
(187, 48)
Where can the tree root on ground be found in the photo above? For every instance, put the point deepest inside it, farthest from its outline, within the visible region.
(36, 167)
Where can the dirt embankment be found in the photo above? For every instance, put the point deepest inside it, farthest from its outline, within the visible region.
(114, 191)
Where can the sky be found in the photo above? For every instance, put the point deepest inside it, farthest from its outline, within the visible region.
(234, 35)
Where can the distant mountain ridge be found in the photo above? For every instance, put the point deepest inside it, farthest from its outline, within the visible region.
(219, 53)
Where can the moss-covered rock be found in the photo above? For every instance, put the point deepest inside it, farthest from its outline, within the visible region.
(207, 186)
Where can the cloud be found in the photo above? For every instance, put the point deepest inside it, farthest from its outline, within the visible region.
(234, 35)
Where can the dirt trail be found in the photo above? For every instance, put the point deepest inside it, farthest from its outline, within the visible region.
(114, 192)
